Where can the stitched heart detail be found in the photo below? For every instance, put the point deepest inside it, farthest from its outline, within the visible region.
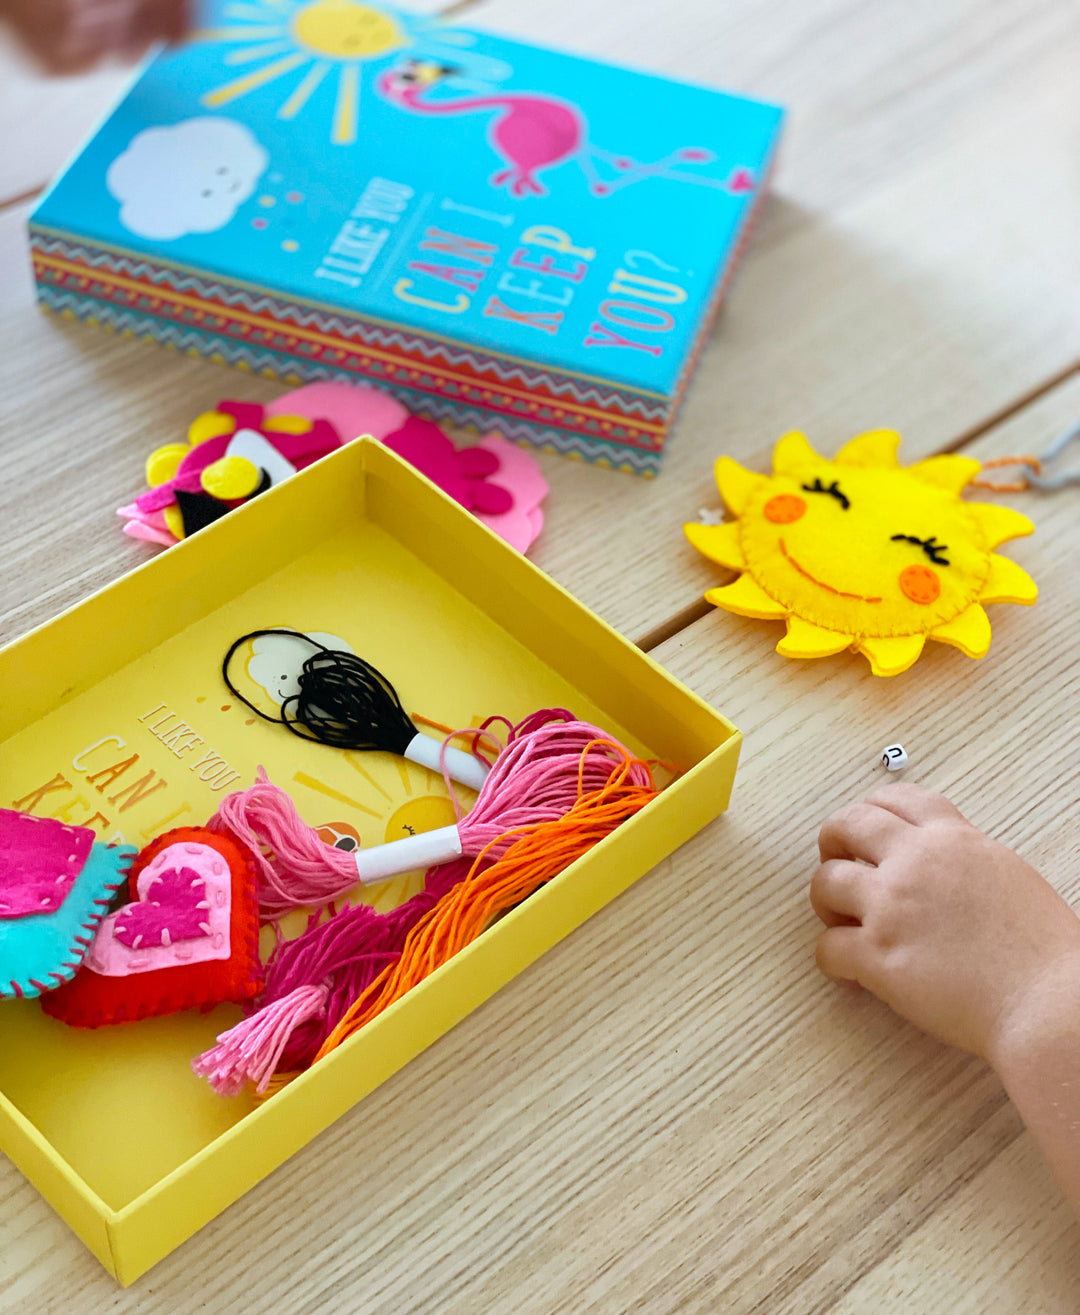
(181, 915)
(233, 972)
(176, 910)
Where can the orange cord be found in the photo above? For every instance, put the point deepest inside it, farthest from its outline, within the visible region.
(1008, 486)
(543, 851)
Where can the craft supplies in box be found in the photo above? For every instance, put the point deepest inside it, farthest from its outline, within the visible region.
(505, 237)
(125, 731)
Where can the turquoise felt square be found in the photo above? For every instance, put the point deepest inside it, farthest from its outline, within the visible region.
(39, 952)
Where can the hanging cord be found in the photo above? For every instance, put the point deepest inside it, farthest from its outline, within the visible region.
(1032, 473)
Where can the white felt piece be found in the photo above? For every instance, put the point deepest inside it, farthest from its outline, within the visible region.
(463, 767)
(261, 453)
(421, 851)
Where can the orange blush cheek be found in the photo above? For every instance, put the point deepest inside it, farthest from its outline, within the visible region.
(920, 584)
(784, 509)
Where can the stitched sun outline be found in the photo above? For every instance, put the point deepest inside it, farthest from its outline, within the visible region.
(862, 553)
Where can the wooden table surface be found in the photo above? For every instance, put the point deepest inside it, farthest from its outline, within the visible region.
(671, 1110)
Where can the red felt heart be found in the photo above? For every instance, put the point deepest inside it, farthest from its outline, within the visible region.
(92, 999)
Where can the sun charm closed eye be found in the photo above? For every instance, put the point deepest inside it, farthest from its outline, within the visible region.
(862, 553)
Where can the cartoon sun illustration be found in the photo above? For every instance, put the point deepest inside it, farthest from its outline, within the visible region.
(862, 553)
(314, 40)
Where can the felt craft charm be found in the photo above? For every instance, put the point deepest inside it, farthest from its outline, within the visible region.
(241, 449)
(504, 493)
(56, 884)
(232, 454)
(188, 938)
(862, 553)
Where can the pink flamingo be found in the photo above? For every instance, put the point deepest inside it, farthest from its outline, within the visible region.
(531, 133)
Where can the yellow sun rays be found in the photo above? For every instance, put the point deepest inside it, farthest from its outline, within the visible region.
(346, 112)
(312, 38)
(299, 98)
(241, 86)
(893, 636)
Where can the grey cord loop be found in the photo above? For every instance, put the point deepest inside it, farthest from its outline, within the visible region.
(1051, 483)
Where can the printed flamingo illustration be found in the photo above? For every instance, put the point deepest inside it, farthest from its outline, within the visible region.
(533, 131)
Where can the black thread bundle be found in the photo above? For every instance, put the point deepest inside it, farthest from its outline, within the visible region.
(343, 701)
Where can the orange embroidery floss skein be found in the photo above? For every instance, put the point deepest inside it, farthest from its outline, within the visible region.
(540, 853)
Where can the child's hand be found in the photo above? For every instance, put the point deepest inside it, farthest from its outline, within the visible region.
(67, 35)
(954, 931)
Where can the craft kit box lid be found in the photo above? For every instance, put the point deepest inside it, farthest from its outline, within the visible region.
(507, 205)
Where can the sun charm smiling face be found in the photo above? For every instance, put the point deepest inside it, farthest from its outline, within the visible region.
(862, 553)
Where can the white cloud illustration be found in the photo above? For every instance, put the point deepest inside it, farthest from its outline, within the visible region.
(188, 178)
(276, 660)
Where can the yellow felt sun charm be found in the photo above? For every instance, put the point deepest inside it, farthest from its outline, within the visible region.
(862, 553)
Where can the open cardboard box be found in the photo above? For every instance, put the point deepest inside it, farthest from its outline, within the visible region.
(112, 1126)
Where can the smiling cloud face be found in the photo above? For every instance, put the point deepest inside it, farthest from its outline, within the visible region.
(276, 661)
(189, 178)
(862, 553)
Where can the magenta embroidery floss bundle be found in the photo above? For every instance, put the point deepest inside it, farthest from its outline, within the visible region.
(311, 982)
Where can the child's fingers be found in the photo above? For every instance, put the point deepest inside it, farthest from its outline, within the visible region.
(913, 804)
(838, 892)
(841, 954)
(860, 831)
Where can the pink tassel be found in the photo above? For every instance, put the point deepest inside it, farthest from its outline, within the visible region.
(250, 1051)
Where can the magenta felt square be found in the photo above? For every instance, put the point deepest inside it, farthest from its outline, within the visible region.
(39, 861)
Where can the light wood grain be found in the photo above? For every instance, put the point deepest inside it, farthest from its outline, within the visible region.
(671, 1111)
(1006, 1242)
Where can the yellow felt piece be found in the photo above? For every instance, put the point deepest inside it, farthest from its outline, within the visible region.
(211, 424)
(950, 472)
(877, 447)
(174, 521)
(969, 632)
(889, 657)
(805, 640)
(287, 424)
(863, 553)
(720, 543)
(999, 523)
(737, 485)
(1008, 583)
(230, 477)
(793, 454)
(745, 598)
(162, 463)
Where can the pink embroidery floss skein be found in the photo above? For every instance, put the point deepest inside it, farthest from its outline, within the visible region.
(297, 868)
(311, 982)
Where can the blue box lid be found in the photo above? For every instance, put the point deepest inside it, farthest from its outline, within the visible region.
(400, 168)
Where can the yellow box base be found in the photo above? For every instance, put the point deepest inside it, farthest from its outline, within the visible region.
(112, 1126)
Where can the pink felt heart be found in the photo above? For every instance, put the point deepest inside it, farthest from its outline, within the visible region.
(181, 916)
(39, 861)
